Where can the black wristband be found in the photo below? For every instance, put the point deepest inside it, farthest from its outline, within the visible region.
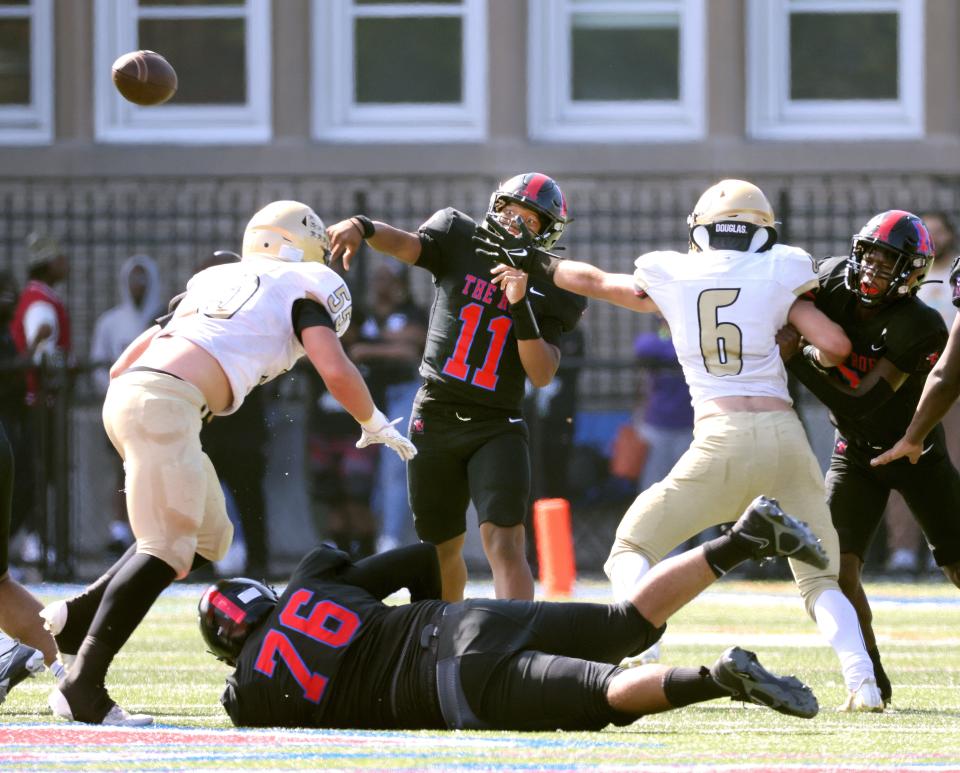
(367, 228)
(525, 327)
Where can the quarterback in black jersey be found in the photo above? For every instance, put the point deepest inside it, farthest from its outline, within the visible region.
(897, 340)
(329, 653)
(483, 342)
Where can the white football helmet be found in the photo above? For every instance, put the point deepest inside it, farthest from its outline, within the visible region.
(732, 215)
(287, 230)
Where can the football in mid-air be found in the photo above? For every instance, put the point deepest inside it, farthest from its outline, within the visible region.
(144, 78)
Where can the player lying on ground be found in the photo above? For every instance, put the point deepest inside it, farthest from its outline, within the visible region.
(330, 653)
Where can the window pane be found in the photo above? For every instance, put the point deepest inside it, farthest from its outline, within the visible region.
(408, 60)
(407, 2)
(625, 57)
(209, 56)
(14, 61)
(843, 56)
(175, 3)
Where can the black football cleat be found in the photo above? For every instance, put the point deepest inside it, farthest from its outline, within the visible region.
(17, 662)
(739, 672)
(774, 533)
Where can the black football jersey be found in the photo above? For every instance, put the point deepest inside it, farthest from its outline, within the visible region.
(471, 354)
(907, 332)
(332, 654)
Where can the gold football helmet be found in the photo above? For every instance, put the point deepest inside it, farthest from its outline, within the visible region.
(732, 215)
(287, 230)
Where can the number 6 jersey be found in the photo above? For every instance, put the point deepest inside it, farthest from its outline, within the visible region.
(242, 314)
(724, 309)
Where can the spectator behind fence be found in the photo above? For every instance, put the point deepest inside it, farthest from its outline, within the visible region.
(556, 408)
(392, 337)
(341, 476)
(666, 415)
(19, 609)
(13, 407)
(138, 284)
(41, 327)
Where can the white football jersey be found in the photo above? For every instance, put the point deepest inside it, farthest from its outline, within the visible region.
(241, 313)
(724, 309)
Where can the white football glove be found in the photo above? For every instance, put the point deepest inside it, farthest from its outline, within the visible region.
(377, 429)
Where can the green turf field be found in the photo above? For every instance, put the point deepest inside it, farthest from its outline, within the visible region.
(165, 671)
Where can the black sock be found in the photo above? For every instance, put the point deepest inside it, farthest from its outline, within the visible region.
(883, 681)
(199, 562)
(82, 608)
(125, 603)
(683, 686)
(725, 552)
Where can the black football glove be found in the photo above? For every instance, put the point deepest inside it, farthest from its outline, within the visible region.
(493, 242)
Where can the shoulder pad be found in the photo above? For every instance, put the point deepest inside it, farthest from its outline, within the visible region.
(448, 220)
(328, 287)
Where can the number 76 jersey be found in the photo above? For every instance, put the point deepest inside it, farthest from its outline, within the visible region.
(724, 309)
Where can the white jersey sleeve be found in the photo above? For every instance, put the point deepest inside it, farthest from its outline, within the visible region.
(242, 314)
(724, 309)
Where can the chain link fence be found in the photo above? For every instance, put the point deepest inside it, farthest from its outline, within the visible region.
(180, 222)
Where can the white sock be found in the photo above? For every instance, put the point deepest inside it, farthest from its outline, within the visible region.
(58, 670)
(837, 621)
(625, 572)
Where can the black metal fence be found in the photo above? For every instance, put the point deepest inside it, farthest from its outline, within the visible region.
(180, 222)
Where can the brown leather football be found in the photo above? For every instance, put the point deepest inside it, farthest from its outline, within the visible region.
(144, 78)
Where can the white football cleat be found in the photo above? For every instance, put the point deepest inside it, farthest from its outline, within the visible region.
(116, 717)
(865, 698)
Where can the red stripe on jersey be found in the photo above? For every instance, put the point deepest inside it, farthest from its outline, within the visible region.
(226, 606)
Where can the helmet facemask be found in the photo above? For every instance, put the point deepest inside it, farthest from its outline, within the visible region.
(908, 249)
(542, 195)
(229, 611)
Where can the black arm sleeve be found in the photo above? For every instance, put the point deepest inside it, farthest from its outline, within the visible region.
(414, 567)
(841, 404)
(308, 313)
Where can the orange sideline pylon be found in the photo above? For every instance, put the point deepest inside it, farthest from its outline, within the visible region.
(551, 526)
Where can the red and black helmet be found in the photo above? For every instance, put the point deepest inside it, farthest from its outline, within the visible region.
(229, 611)
(905, 236)
(541, 194)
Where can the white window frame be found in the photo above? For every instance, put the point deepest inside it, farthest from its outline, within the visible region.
(337, 117)
(771, 114)
(32, 124)
(119, 121)
(554, 116)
